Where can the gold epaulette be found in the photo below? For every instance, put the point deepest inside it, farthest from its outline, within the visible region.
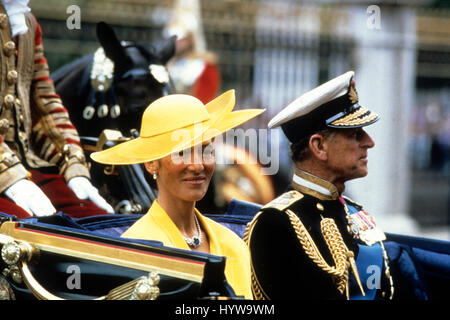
(280, 203)
(284, 201)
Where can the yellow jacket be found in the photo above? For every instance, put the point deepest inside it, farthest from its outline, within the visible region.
(157, 225)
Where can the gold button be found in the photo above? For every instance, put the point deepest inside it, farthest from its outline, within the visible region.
(12, 76)
(8, 101)
(319, 206)
(21, 118)
(3, 20)
(9, 48)
(22, 136)
(17, 101)
(4, 124)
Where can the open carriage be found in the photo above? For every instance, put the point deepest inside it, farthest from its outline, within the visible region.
(58, 257)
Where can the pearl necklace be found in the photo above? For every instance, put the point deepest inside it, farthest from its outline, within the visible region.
(195, 241)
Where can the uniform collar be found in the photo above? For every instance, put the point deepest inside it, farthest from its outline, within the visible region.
(312, 185)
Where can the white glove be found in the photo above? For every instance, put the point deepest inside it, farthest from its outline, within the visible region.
(30, 197)
(84, 189)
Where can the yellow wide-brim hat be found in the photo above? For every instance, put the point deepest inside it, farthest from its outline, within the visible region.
(175, 122)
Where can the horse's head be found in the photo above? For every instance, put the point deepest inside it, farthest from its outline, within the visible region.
(138, 76)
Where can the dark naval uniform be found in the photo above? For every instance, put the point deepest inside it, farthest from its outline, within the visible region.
(311, 243)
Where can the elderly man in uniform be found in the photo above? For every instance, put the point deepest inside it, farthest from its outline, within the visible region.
(42, 165)
(312, 242)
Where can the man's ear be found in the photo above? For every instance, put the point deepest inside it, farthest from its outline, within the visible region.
(318, 147)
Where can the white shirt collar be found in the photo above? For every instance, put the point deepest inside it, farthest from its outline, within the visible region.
(16, 10)
(313, 185)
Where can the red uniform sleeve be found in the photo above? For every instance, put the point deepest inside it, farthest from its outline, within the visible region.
(207, 85)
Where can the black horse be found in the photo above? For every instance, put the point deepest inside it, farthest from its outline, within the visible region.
(110, 90)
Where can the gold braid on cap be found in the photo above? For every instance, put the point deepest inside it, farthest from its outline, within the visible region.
(360, 116)
(355, 119)
(343, 121)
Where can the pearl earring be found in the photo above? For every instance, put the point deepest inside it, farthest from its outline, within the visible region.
(154, 175)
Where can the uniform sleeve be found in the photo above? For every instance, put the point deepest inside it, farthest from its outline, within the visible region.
(11, 169)
(55, 138)
(208, 84)
(280, 264)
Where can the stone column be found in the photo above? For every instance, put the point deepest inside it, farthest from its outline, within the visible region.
(385, 59)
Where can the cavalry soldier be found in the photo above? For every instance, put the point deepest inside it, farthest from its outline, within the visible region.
(40, 149)
(312, 242)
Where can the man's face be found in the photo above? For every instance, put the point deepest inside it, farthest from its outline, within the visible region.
(347, 153)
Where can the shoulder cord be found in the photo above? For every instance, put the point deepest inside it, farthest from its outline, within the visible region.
(257, 290)
(387, 271)
(335, 243)
(339, 251)
(342, 256)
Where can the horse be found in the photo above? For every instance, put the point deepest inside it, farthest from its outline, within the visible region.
(111, 88)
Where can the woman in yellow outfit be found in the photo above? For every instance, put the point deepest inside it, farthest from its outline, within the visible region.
(175, 144)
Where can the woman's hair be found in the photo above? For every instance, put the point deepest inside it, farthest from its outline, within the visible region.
(300, 150)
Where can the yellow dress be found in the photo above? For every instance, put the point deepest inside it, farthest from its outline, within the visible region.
(157, 225)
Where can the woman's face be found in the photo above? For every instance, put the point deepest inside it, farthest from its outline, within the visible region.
(185, 175)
